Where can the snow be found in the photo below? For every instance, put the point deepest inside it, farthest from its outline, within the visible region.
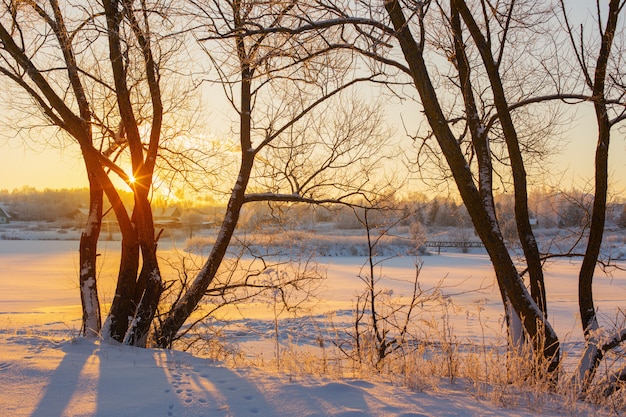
(42, 377)
(47, 370)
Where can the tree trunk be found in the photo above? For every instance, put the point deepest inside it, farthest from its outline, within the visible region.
(545, 340)
(142, 291)
(179, 312)
(123, 305)
(522, 217)
(87, 260)
(593, 353)
(149, 283)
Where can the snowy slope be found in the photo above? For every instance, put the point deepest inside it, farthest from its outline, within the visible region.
(45, 371)
(44, 378)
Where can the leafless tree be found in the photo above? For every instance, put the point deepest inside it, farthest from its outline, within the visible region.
(480, 33)
(57, 54)
(476, 49)
(473, 171)
(98, 73)
(607, 89)
(48, 80)
(389, 321)
(281, 84)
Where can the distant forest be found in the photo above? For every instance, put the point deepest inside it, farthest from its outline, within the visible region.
(548, 209)
(30, 204)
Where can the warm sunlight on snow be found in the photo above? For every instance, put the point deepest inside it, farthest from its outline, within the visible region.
(312, 208)
(44, 376)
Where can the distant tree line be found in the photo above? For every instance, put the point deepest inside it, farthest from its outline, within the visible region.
(552, 210)
(549, 210)
(30, 204)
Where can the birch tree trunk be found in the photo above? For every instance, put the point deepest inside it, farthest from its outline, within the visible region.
(88, 249)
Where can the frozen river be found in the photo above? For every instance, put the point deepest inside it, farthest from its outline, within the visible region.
(38, 288)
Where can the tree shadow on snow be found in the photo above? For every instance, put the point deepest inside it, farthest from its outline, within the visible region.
(64, 384)
(171, 383)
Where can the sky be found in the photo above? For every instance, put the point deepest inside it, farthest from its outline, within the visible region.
(50, 168)
(54, 167)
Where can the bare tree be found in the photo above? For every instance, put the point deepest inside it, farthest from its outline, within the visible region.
(57, 55)
(144, 289)
(476, 187)
(48, 82)
(96, 71)
(478, 135)
(389, 323)
(280, 82)
(481, 32)
(607, 86)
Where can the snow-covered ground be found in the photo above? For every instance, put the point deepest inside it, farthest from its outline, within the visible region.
(45, 378)
(46, 371)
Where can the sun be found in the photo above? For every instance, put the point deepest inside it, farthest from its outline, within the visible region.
(131, 179)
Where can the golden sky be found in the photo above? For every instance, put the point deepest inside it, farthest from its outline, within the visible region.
(62, 168)
(53, 167)
(49, 168)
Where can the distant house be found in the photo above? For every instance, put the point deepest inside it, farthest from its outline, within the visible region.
(166, 216)
(81, 213)
(4, 216)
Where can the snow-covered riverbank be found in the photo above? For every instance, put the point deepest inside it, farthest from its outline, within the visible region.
(47, 372)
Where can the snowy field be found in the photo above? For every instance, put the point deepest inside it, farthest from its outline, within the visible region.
(46, 371)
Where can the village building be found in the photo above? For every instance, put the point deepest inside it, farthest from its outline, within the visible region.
(166, 216)
(5, 217)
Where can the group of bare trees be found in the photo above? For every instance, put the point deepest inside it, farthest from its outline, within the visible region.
(497, 69)
(114, 79)
(117, 79)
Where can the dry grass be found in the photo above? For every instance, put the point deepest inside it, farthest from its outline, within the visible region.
(486, 371)
(295, 241)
